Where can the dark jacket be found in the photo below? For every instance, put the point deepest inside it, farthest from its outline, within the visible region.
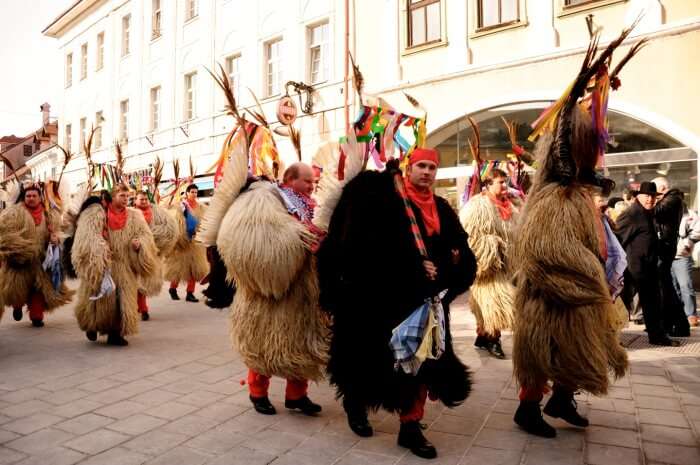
(637, 235)
(667, 216)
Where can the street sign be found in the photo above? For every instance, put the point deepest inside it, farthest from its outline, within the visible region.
(286, 111)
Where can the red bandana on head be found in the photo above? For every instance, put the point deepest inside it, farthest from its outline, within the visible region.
(37, 213)
(424, 200)
(116, 220)
(147, 213)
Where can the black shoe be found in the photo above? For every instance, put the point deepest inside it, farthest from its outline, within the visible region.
(304, 404)
(17, 314)
(91, 335)
(529, 417)
(638, 321)
(481, 342)
(411, 437)
(38, 323)
(116, 340)
(663, 340)
(145, 316)
(263, 405)
(191, 298)
(680, 331)
(173, 294)
(496, 350)
(562, 405)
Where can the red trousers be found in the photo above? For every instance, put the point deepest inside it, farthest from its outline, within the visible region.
(36, 306)
(190, 284)
(258, 385)
(416, 412)
(143, 303)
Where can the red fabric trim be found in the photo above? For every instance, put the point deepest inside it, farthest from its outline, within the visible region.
(425, 201)
(504, 207)
(147, 214)
(37, 213)
(116, 220)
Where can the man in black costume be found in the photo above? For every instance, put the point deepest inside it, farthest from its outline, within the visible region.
(372, 278)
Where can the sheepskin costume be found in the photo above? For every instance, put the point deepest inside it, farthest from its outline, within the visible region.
(372, 278)
(188, 258)
(93, 254)
(491, 295)
(276, 323)
(165, 229)
(22, 252)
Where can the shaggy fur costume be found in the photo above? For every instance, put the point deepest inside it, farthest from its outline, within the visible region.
(188, 258)
(93, 255)
(22, 252)
(564, 309)
(372, 278)
(276, 323)
(164, 229)
(491, 296)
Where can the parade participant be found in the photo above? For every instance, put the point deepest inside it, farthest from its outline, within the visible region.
(164, 229)
(489, 218)
(564, 326)
(113, 250)
(373, 277)
(27, 229)
(188, 259)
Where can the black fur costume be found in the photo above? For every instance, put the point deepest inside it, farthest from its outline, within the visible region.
(372, 278)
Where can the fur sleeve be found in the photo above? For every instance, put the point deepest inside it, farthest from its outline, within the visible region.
(17, 241)
(478, 217)
(90, 253)
(144, 262)
(165, 230)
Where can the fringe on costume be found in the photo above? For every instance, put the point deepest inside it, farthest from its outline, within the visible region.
(188, 258)
(22, 252)
(491, 296)
(92, 255)
(164, 229)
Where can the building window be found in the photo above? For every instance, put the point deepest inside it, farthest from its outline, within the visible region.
(578, 2)
(83, 61)
(53, 172)
(83, 132)
(318, 53)
(67, 141)
(155, 108)
(69, 70)
(190, 9)
(233, 69)
(497, 12)
(124, 120)
(126, 26)
(27, 150)
(423, 22)
(100, 51)
(97, 138)
(273, 69)
(190, 83)
(155, 25)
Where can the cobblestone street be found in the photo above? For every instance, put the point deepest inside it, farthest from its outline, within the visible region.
(174, 396)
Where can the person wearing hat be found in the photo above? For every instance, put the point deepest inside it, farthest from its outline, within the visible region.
(637, 234)
(372, 278)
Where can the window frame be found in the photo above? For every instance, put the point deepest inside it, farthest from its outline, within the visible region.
(189, 108)
(83, 133)
(156, 19)
(67, 136)
(124, 120)
(235, 84)
(100, 51)
(97, 138)
(83, 61)
(568, 9)
(191, 10)
(69, 70)
(500, 24)
(269, 91)
(126, 35)
(154, 108)
(24, 150)
(422, 4)
(324, 51)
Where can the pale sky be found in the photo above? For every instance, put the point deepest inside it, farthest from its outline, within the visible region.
(30, 64)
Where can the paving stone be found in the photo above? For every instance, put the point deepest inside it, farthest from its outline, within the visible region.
(659, 403)
(185, 386)
(296, 458)
(181, 456)
(117, 456)
(656, 391)
(167, 376)
(65, 395)
(190, 425)
(612, 437)
(500, 439)
(171, 410)
(620, 393)
(273, 442)
(84, 423)
(24, 395)
(568, 437)
(7, 436)
(121, 409)
(216, 442)
(357, 457)
(5, 419)
(32, 423)
(244, 456)
(99, 385)
(251, 422)
(483, 455)
(649, 379)
(662, 417)
(327, 445)
(155, 397)
(40, 441)
(600, 454)
(540, 454)
(156, 442)
(193, 368)
(501, 421)
(693, 412)
(221, 412)
(200, 398)
(75, 408)
(448, 444)
(457, 425)
(301, 424)
(54, 456)
(97, 441)
(26, 408)
(137, 424)
(675, 455)
(8, 456)
(612, 420)
(668, 435)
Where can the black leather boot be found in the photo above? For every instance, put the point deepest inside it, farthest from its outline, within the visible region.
(38, 323)
(358, 421)
(496, 350)
(263, 405)
(481, 342)
(191, 298)
(411, 437)
(115, 339)
(17, 314)
(91, 335)
(145, 316)
(562, 405)
(173, 294)
(529, 417)
(304, 404)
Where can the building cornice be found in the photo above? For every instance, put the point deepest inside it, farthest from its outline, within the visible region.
(57, 27)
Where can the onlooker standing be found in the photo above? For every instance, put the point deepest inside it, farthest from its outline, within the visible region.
(682, 267)
(635, 228)
(668, 213)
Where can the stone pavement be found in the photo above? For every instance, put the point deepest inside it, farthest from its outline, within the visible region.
(174, 396)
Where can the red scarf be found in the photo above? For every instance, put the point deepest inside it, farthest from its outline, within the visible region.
(37, 213)
(425, 201)
(116, 220)
(504, 207)
(147, 213)
(193, 204)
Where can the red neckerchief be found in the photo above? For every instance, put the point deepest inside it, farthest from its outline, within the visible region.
(116, 220)
(147, 213)
(193, 204)
(37, 213)
(425, 201)
(504, 207)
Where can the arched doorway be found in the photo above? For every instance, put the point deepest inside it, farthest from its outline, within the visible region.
(637, 151)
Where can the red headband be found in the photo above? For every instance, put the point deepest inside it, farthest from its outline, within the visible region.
(424, 154)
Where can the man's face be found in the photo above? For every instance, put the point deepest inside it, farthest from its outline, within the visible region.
(304, 184)
(498, 187)
(142, 201)
(647, 201)
(192, 194)
(32, 199)
(422, 174)
(120, 199)
(601, 203)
